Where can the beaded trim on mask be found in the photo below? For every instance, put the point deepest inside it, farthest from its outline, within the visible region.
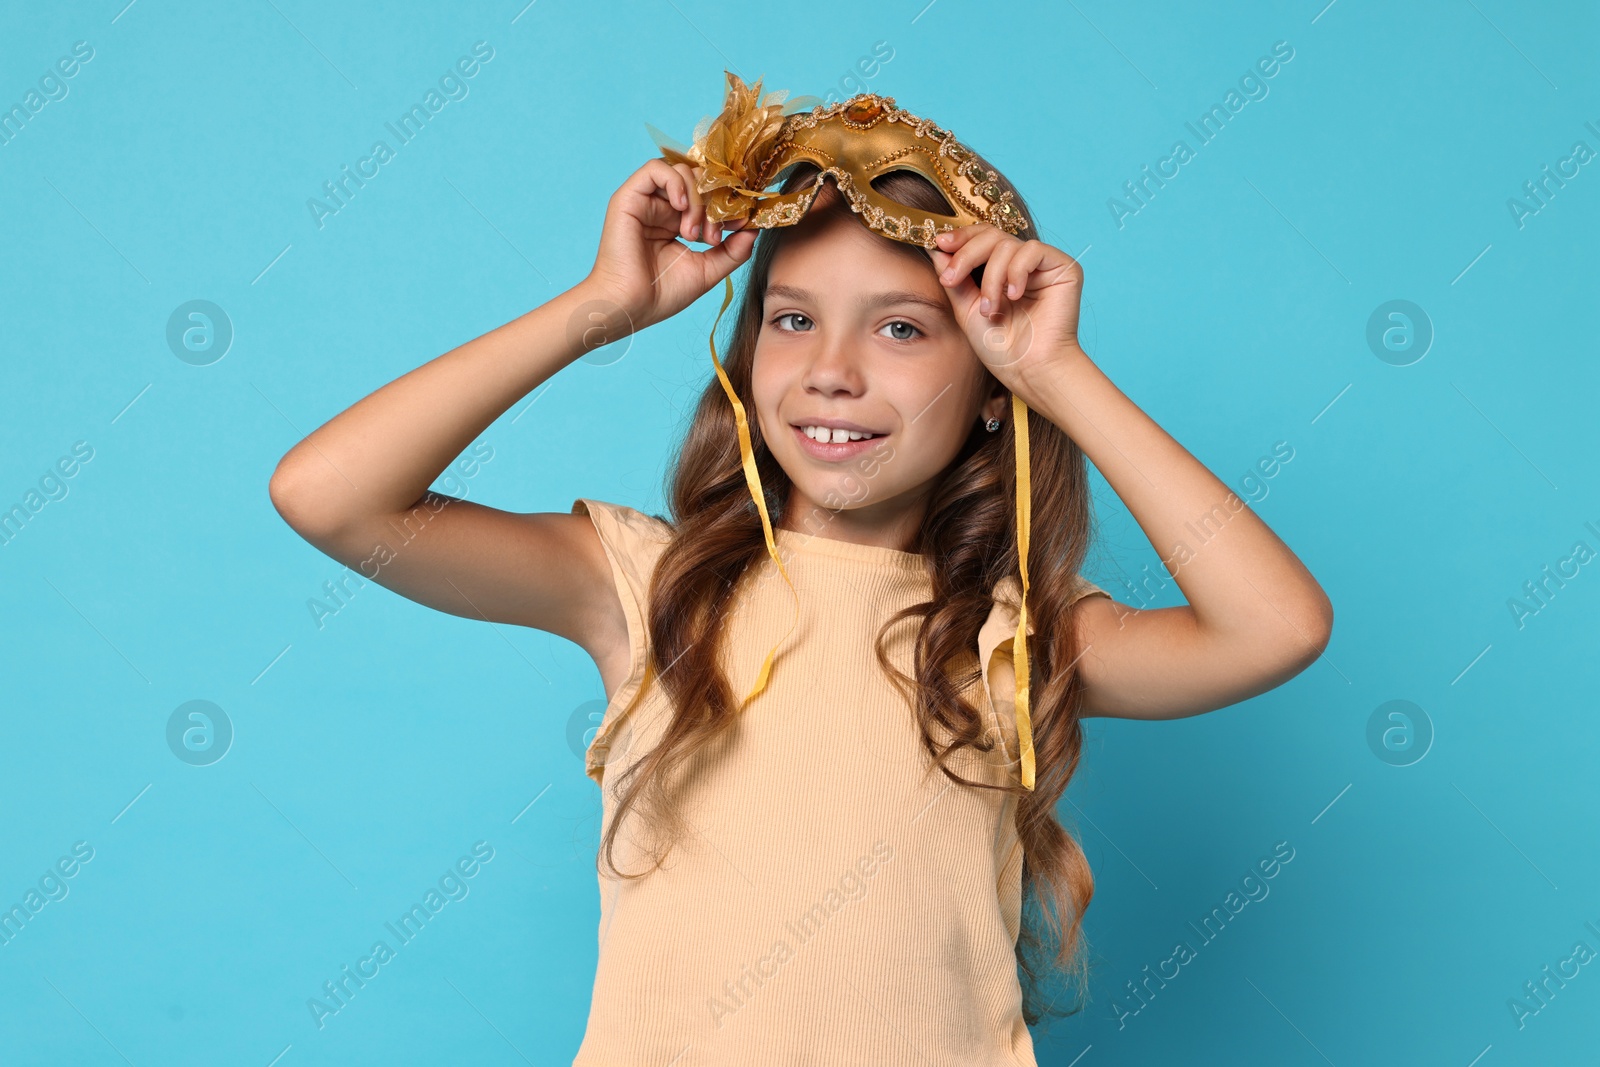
(862, 113)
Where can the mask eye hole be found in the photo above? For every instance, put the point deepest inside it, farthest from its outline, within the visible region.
(906, 186)
(783, 176)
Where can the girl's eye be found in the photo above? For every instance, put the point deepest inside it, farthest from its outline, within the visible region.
(790, 315)
(803, 324)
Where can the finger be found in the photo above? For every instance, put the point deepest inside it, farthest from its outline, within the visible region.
(720, 260)
(951, 276)
(684, 181)
(659, 220)
(676, 188)
(1022, 267)
(975, 248)
(687, 205)
(713, 232)
(727, 228)
(957, 242)
(697, 203)
(994, 275)
(661, 190)
(652, 195)
(659, 180)
(951, 240)
(962, 291)
(1074, 268)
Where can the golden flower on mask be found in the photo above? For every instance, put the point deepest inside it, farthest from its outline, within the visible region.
(733, 148)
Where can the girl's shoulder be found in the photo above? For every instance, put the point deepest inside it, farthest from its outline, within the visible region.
(1000, 628)
(629, 524)
(633, 540)
(1007, 596)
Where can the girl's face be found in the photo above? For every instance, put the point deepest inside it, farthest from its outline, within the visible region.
(858, 334)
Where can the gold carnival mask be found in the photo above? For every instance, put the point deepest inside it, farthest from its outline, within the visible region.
(757, 138)
(748, 147)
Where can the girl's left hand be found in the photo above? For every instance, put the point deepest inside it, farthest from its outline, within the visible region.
(1032, 290)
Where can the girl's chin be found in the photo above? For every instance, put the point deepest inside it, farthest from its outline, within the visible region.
(850, 491)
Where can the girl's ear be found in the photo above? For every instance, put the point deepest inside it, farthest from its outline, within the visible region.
(997, 405)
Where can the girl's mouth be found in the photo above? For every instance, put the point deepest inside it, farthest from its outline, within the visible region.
(831, 451)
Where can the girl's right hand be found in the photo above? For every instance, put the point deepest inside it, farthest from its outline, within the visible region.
(641, 266)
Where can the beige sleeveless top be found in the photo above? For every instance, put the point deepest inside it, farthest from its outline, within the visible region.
(839, 901)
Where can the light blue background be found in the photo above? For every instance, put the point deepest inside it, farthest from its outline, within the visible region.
(374, 751)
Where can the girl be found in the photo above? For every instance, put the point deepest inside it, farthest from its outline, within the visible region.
(847, 853)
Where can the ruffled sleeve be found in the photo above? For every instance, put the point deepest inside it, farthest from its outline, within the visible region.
(994, 655)
(633, 543)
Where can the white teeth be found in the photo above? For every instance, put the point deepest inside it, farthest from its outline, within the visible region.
(835, 436)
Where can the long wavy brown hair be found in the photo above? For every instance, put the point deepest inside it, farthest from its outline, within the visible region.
(969, 536)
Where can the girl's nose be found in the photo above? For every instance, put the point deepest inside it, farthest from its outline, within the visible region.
(834, 368)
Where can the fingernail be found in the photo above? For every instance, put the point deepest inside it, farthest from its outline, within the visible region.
(984, 306)
(697, 231)
(948, 276)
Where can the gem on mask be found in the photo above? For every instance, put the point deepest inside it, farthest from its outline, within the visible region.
(863, 111)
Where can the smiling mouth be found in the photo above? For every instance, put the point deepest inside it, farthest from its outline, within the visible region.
(835, 435)
(831, 449)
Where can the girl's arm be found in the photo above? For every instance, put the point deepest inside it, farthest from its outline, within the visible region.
(1255, 616)
(357, 487)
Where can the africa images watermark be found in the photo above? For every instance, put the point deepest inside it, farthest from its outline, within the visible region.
(52, 86)
(52, 886)
(339, 192)
(1205, 129)
(52, 487)
(1537, 996)
(1253, 887)
(1537, 593)
(339, 591)
(850, 887)
(854, 81)
(452, 886)
(1538, 192)
(1254, 489)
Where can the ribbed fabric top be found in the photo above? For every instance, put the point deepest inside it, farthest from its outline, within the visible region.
(839, 901)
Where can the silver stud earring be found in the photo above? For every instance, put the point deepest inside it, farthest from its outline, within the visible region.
(992, 425)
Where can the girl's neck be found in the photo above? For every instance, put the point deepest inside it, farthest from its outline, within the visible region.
(870, 525)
